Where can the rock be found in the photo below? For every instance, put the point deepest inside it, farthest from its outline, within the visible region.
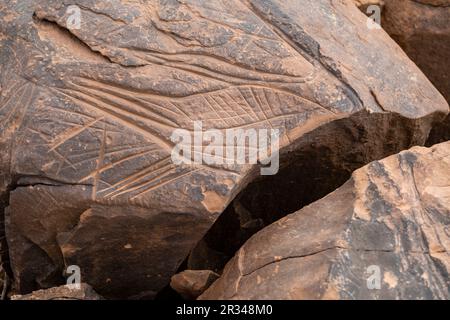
(363, 5)
(92, 93)
(3, 284)
(440, 132)
(391, 219)
(192, 283)
(66, 292)
(422, 29)
(236, 224)
(109, 244)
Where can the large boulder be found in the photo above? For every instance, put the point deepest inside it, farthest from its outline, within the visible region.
(92, 92)
(390, 220)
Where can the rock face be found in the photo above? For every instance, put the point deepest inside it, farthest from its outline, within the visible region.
(422, 29)
(3, 284)
(190, 284)
(391, 219)
(92, 93)
(363, 5)
(67, 292)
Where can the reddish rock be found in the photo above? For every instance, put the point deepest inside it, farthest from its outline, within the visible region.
(66, 292)
(192, 283)
(87, 112)
(422, 29)
(391, 220)
(363, 5)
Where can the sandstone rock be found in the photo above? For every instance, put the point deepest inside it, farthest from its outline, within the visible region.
(391, 217)
(192, 283)
(4, 284)
(87, 111)
(422, 29)
(109, 244)
(363, 5)
(66, 292)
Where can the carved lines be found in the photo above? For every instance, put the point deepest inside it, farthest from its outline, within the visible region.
(140, 179)
(71, 133)
(156, 118)
(115, 163)
(101, 158)
(163, 182)
(120, 116)
(17, 88)
(17, 114)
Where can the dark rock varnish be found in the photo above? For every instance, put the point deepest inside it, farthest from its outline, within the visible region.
(86, 116)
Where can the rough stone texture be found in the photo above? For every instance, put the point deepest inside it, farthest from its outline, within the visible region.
(190, 284)
(86, 117)
(422, 29)
(3, 284)
(66, 292)
(364, 4)
(110, 244)
(393, 213)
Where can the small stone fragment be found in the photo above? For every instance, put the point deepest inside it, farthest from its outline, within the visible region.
(192, 283)
(66, 292)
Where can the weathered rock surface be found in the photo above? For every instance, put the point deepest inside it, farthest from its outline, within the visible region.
(66, 292)
(393, 214)
(422, 29)
(4, 284)
(86, 116)
(110, 244)
(363, 5)
(190, 284)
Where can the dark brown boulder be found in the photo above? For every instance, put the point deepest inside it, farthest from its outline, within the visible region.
(390, 220)
(109, 243)
(87, 112)
(422, 29)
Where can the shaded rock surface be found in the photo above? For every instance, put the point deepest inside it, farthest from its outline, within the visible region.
(190, 284)
(87, 112)
(4, 284)
(66, 292)
(393, 216)
(108, 243)
(422, 29)
(323, 161)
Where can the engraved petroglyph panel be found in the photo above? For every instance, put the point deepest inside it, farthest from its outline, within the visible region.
(94, 107)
